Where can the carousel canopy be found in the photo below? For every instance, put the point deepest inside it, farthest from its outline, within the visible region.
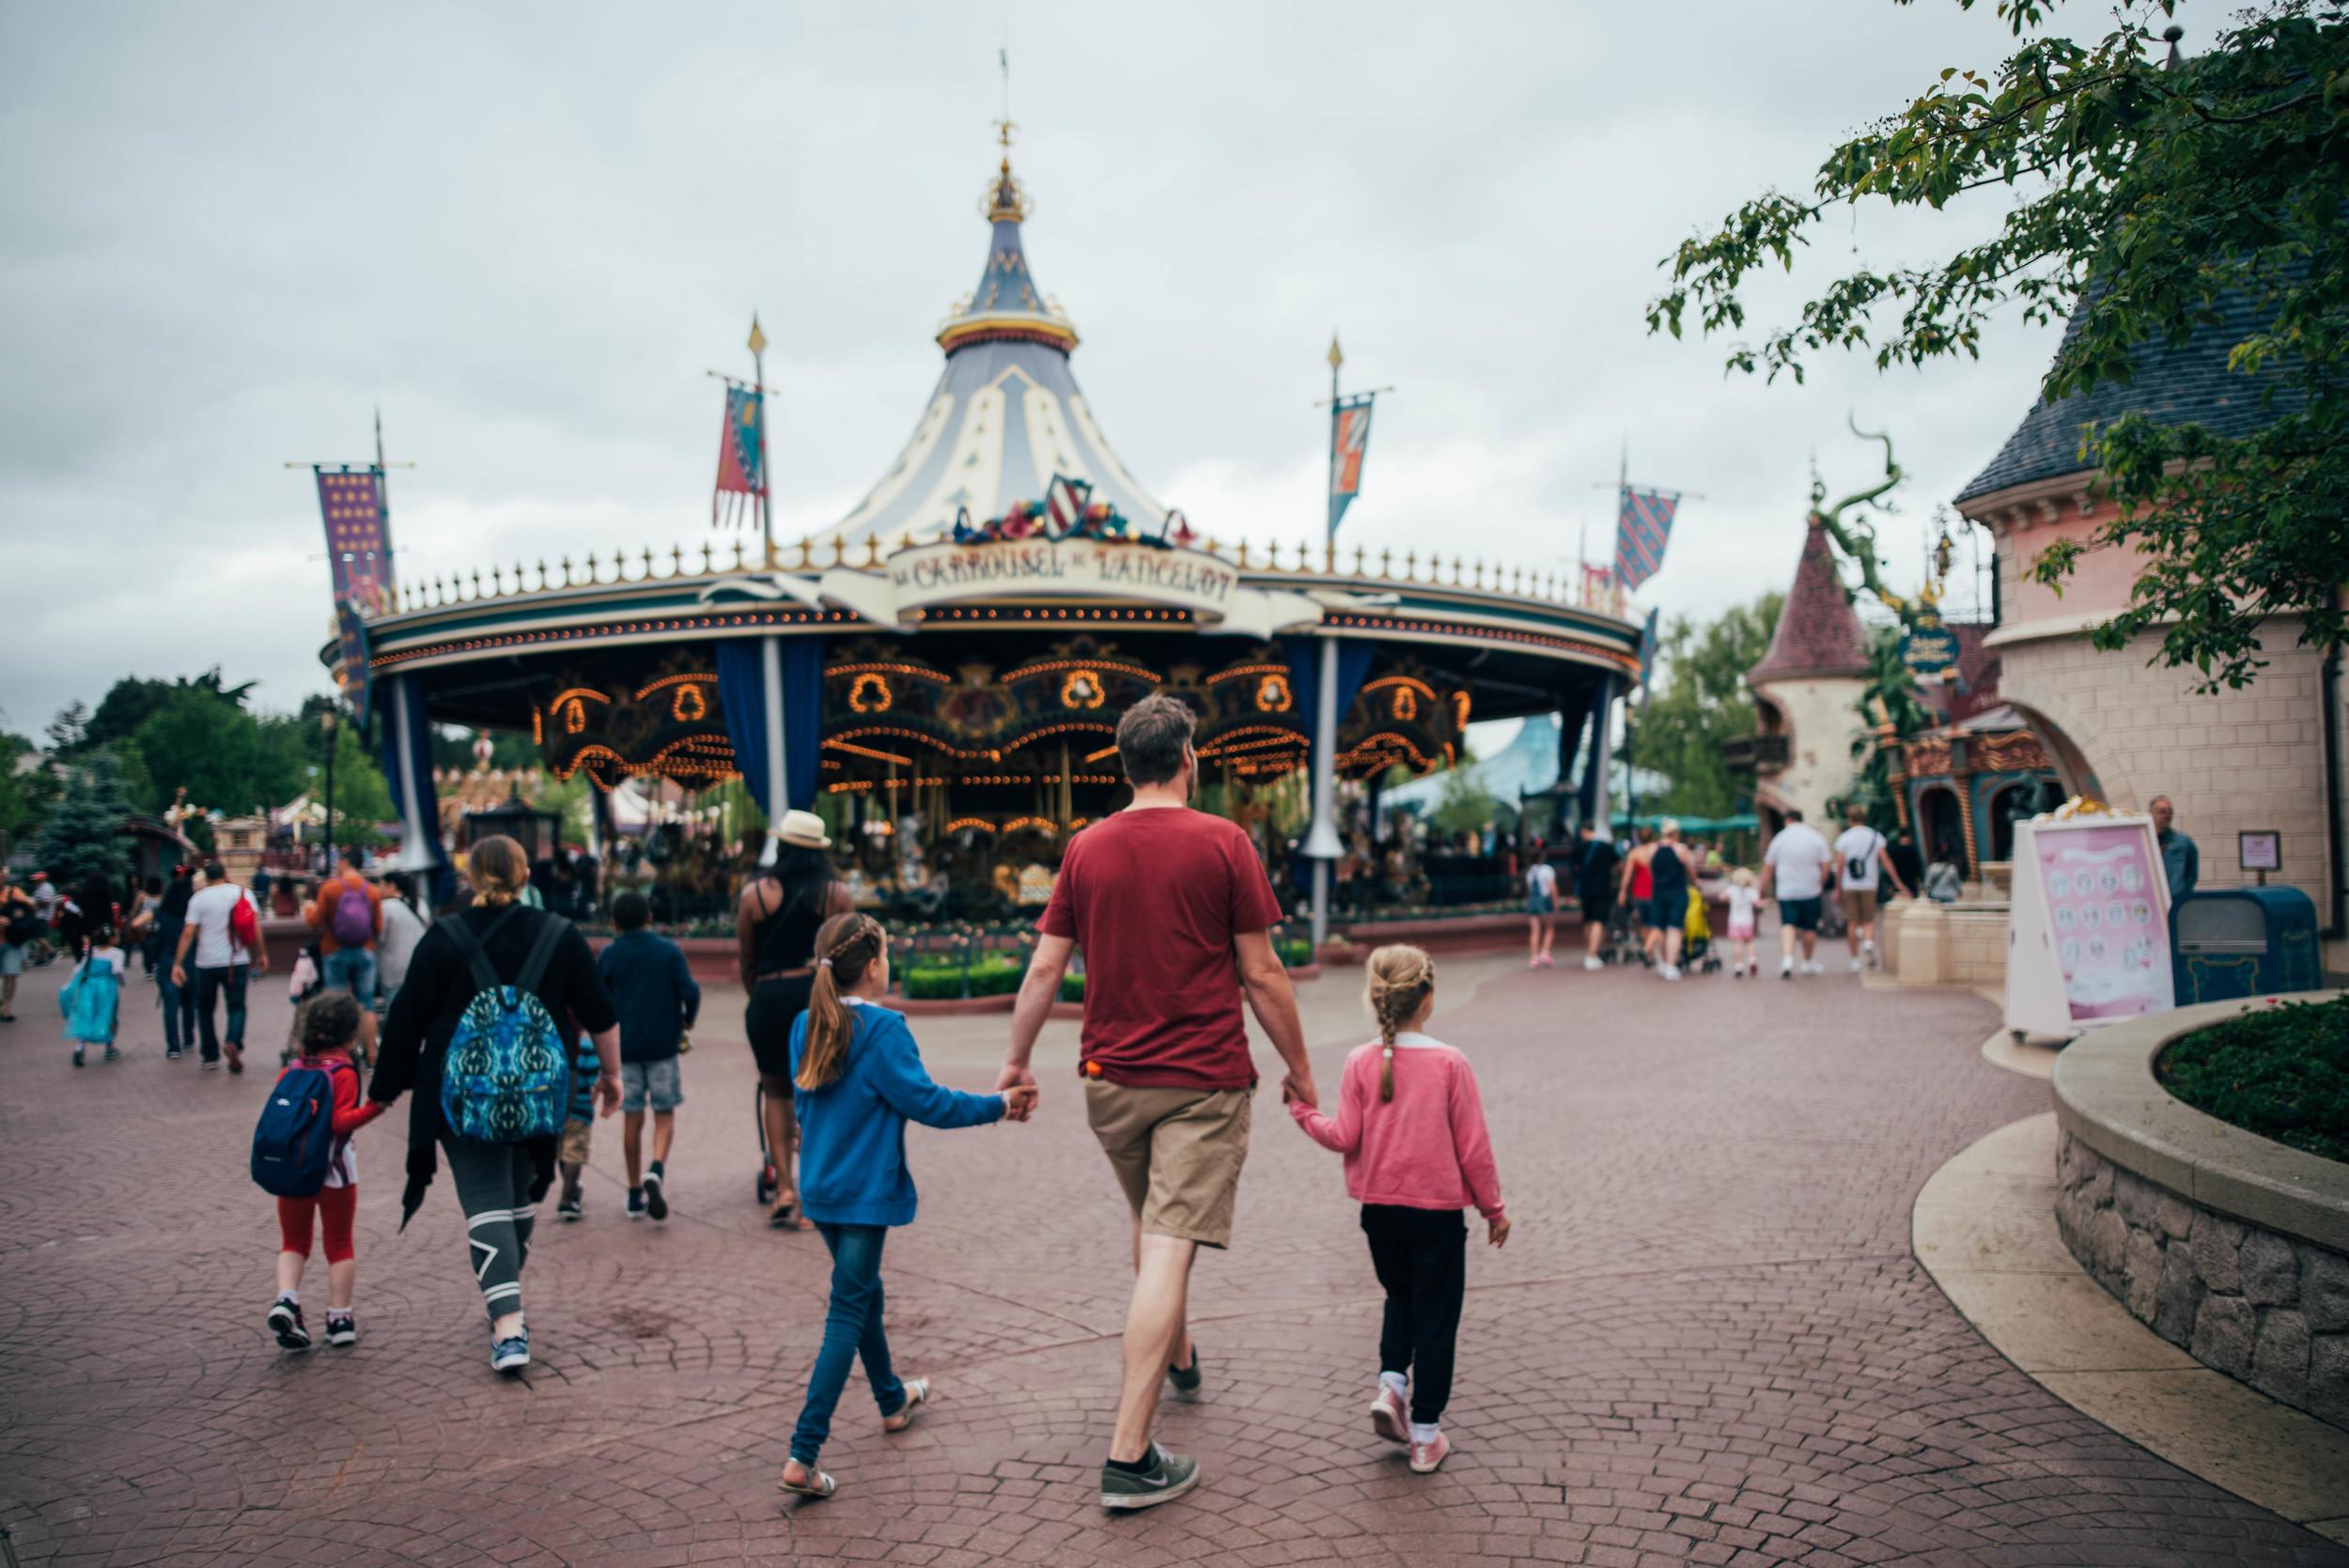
(1006, 415)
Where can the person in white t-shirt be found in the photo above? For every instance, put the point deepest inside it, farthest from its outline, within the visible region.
(222, 963)
(1860, 863)
(1541, 904)
(1795, 870)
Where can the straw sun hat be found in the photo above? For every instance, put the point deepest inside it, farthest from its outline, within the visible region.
(802, 830)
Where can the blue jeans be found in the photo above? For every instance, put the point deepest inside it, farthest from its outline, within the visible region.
(852, 1328)
(209, 985)
(178, 1004)
(352, 970)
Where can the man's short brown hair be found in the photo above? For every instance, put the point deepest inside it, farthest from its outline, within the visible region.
(1152, 737)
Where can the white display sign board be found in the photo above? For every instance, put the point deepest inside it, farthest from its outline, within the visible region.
(2088, 932)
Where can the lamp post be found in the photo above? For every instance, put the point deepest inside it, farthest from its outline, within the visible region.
(326, 727)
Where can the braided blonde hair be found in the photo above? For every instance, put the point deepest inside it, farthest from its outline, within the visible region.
(1401, 976)
(846, 946)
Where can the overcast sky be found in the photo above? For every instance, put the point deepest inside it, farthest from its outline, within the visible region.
(226, 233)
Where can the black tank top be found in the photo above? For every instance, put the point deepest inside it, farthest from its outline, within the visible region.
(1668, 879)
(786, 939)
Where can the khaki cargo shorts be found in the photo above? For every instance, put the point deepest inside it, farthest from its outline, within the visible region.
(573, 1149)
(1859, 906)
(1176, 1152)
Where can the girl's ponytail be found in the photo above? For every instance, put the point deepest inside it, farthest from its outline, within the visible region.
(1400, 978)
(846, 947)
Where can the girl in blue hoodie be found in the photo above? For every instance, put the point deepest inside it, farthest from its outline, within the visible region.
(858, 1078)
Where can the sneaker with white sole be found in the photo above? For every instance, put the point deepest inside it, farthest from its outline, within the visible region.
(1593, 962)
(1670, 971)
(511, 1354)
(1169, 1476)
(656, 1201)
(1859, 964)
(1786, 969)
(1388, 1418)
(1427, 1456)
(636, 1202)
(284, 1321)
(341, 1329)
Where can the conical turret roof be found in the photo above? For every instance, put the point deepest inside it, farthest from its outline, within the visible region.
(1818, 633)
(1006, 415)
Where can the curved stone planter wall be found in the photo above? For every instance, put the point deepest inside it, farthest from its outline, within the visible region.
(2230, 1247)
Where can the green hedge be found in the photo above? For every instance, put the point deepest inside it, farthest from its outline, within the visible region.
(993, 975)
(2281, 1072)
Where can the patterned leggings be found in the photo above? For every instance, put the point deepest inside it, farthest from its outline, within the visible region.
(493, 1185)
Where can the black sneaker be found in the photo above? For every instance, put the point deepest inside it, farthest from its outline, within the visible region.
(172, 1055)
(1187, 1380)
(567, 1210)
(655, 1204)
(1169, 1477)
(341, 1329)
(77, 1058)
(636, 1202)
(284, 1321)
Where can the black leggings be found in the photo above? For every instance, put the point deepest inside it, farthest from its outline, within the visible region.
(1422, 1259)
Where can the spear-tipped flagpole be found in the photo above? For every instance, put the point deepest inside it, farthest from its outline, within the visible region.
(766, 472)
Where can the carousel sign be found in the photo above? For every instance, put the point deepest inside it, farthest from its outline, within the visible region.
(1207, 585)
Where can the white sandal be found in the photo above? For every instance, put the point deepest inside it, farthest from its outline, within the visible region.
(818, 1485)
(917, 1394)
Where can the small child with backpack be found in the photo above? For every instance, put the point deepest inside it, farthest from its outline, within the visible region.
(302, 1154)
(92, 1000)
(1411, 1127)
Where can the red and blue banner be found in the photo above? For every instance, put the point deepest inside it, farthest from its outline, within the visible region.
(741, 473)
(1643, 529)
(358, 537)
(1349, 438)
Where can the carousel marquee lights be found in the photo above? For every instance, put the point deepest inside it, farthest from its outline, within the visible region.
(911, 672)
(1272, 694)
(869, 693)
(1082, 688)
(867, 752)
(673, 680)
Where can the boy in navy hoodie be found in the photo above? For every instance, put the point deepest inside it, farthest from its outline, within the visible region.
(655, 995)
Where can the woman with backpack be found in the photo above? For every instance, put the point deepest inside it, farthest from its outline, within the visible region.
(472, 1034)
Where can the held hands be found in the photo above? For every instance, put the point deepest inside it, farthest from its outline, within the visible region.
(1019, 1102)
(1299, 1085)
(1497, 1231)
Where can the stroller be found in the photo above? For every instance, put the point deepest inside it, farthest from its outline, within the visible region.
(1623, 944)
(1696, 938)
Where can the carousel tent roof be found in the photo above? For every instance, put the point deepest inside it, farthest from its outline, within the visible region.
(1006, 415)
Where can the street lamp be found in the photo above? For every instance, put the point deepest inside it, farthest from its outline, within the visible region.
(326, 726)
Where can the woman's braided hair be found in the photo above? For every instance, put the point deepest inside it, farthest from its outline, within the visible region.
(330, 1024)
(846, 946)
(1400, 978)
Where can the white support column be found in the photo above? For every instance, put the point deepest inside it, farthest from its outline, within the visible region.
(778, 793)
(1321, 843)
(416, 846)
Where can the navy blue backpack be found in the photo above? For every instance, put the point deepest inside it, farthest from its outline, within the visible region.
(294, 1138)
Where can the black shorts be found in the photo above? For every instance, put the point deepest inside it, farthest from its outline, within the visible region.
(776, 1003)
(1800, 913)
(1597, 907)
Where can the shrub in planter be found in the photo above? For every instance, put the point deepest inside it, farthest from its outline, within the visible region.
(997, 974)
(2281, 1072)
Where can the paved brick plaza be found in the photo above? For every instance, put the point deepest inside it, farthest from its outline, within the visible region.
(1707, 1342)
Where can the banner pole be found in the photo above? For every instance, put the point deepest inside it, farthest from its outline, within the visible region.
(778, 802)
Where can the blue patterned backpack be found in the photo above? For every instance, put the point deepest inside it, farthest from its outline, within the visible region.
(505, 1077)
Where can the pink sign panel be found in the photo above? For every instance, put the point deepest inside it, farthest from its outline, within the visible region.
(2105, 916)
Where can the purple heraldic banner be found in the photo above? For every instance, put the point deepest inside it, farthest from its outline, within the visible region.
(358, 538)
(1640, 533)
(350, 631)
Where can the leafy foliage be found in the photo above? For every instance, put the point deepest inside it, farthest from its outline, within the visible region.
(2148, 195)
(2281, 1072)
(1702, 702)
(1889, 697)
(84, 835)
(26, 797)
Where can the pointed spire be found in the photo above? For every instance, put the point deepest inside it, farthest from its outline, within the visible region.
(1007, 304)
(1818, 633)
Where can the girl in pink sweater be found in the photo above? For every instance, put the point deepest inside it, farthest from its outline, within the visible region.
(1411, 1127)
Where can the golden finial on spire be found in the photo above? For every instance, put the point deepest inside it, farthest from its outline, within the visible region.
(1336, 357)
(758, 339)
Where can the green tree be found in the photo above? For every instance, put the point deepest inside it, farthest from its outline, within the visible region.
(26, 792)
(1464, 804)
(84, 835)
(2145, 196)
(218, 753)
(1700, 701)
(131, 701)
(360, 797)
(1890, 696)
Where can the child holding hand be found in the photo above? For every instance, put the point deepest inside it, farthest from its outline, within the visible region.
(1411, 1127)
(1745, 898)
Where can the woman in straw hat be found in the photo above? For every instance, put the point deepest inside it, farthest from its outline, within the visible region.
(784, 905)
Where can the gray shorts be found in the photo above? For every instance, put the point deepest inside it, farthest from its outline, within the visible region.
(11, 960)
(649, 1082)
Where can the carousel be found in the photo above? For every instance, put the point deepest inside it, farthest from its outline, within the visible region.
(940, 674)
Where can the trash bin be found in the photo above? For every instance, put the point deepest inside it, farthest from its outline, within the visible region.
(2242, 942)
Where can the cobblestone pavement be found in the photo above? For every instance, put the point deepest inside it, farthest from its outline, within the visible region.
(1707, 1342)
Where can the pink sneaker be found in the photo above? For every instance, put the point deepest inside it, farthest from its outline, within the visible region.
(1388, 1417)
(1426, 1457)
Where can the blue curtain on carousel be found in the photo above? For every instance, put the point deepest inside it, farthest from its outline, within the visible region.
(399, 702)
(741, 690)
(1304, 661)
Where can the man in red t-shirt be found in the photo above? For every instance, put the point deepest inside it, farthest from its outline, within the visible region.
(1175, 916)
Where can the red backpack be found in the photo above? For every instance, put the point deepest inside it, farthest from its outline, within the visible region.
(245, 924)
